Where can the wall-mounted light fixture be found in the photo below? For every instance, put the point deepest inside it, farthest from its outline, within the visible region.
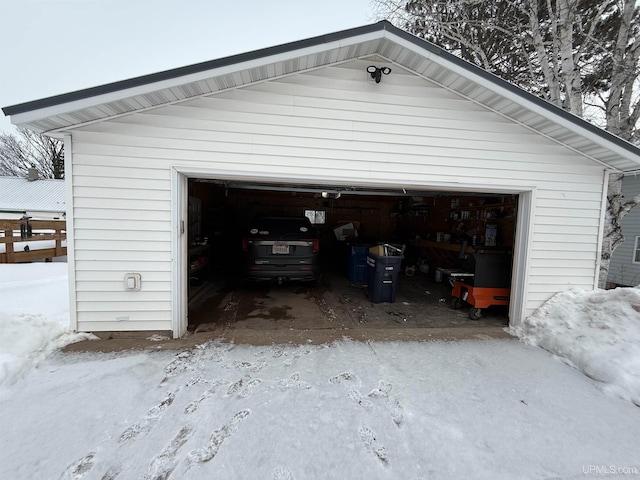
(332, 195)
(376, 72)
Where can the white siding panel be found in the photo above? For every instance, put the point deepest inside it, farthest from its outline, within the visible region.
(122, 255)
(107, 214)
(118, 244)
(116, 297)
(105, 323)
(88, 277)
(120, 193)
(134, 304)
(333, 124)
(120, 224)
(105, 182)
(125, 236)
(101, 264)
(87, 290)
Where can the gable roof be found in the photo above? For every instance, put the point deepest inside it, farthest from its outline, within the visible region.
(19, 195)
(63, 112)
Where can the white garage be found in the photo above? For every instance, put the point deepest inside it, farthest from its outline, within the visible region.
(310, 115)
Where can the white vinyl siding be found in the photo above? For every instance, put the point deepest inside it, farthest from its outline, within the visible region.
(624, 270)
(329, 124)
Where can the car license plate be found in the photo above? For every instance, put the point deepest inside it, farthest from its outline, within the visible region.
(280, 248)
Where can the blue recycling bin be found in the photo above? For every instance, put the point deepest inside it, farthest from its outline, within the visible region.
(382, 277)
(357, 271)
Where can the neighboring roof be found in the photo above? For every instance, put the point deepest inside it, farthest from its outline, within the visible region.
(63, 112)
(19, 194)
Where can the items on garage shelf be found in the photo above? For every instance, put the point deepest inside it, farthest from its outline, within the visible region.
(383, 264)
(346, 231)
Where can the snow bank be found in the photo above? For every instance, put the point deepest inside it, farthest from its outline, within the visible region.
(34, 316)
(597, 332)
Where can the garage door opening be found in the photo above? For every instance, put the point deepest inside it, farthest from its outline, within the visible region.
(457, 249)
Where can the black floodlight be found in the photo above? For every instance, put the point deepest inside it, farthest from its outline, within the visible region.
(376, 72)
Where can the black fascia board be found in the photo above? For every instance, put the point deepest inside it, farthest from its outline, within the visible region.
(189, 69)
(310, 42)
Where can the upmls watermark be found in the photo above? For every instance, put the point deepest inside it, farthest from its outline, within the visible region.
(609, 470)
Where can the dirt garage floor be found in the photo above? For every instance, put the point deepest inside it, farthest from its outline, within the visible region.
(335, 308)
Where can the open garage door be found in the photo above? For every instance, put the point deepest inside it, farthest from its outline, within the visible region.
(455, 270)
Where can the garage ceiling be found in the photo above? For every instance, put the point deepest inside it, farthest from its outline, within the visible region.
(61, 113)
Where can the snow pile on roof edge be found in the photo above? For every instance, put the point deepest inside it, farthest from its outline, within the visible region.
(595, 331)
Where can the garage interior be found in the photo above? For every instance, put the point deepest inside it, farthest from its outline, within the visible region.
(436, 229)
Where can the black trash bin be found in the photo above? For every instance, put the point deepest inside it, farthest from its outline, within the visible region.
(382, 275)
(358, 263)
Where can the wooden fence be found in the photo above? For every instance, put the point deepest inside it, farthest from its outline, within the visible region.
(45, 241)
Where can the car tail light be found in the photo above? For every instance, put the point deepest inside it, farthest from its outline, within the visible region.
(316, 244)
(248, 240)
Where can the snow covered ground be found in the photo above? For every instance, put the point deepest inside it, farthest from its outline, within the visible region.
(415, 410)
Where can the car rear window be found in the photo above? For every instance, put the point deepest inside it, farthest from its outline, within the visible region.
(295, 227)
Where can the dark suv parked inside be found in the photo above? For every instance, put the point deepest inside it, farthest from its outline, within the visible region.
(282, 248)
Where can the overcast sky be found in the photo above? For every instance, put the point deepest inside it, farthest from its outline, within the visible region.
(58, 46)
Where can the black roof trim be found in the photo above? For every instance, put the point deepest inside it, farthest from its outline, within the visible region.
(310, 42)
(190, 69)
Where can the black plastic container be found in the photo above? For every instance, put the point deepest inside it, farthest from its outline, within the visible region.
(358, 263)
(382, 277)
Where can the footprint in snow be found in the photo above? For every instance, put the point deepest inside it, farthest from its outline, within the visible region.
(79, 469)
(383, 391)
(218, 437)
(293, 382)
(112, 473)
(344, 377)
(252, 367)
(163, 465)
(356, 396)
(372, 445)
(153, 416)
(282, 473)
(193, 406)
(243, 387)
(182, 362)
(277, 351)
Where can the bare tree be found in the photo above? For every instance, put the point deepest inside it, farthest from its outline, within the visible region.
(27, 150)
(573, 53)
